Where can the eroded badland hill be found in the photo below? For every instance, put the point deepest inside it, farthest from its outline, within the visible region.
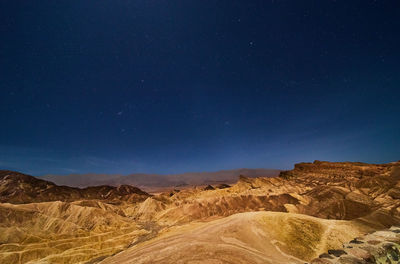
(294, 218)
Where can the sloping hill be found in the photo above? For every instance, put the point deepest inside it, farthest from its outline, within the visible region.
(64, 232)
(255, 237)
(44, 222)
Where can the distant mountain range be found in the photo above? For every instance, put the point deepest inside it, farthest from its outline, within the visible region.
(18, 188)
(150, 182)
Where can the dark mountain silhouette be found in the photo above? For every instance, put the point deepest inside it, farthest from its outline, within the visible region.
(17, 187)
(153, 181)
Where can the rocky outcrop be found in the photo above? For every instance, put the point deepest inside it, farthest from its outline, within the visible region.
(209, 188)
(381, 247)
(346, 190)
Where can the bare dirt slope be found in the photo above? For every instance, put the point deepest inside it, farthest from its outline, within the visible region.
(61, 232)
(254, 237)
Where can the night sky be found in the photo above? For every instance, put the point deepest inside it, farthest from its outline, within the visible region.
(173, 86)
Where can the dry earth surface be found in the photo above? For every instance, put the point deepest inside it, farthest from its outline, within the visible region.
(292, 218)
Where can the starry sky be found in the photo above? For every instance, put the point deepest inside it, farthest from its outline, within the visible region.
(165, 86)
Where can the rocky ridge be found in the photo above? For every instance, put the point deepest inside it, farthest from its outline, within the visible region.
(381, 247)
(17, 187)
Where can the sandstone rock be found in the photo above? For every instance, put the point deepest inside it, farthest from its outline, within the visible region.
(209, 188)
(336, 252)
(359, 253)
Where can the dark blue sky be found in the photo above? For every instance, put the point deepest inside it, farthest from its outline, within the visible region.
(171, 86)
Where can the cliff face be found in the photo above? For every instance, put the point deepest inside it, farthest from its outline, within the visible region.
(336, 172)
(347, 190)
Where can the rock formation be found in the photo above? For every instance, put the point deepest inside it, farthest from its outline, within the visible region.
(381, 247)
(304, 213)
